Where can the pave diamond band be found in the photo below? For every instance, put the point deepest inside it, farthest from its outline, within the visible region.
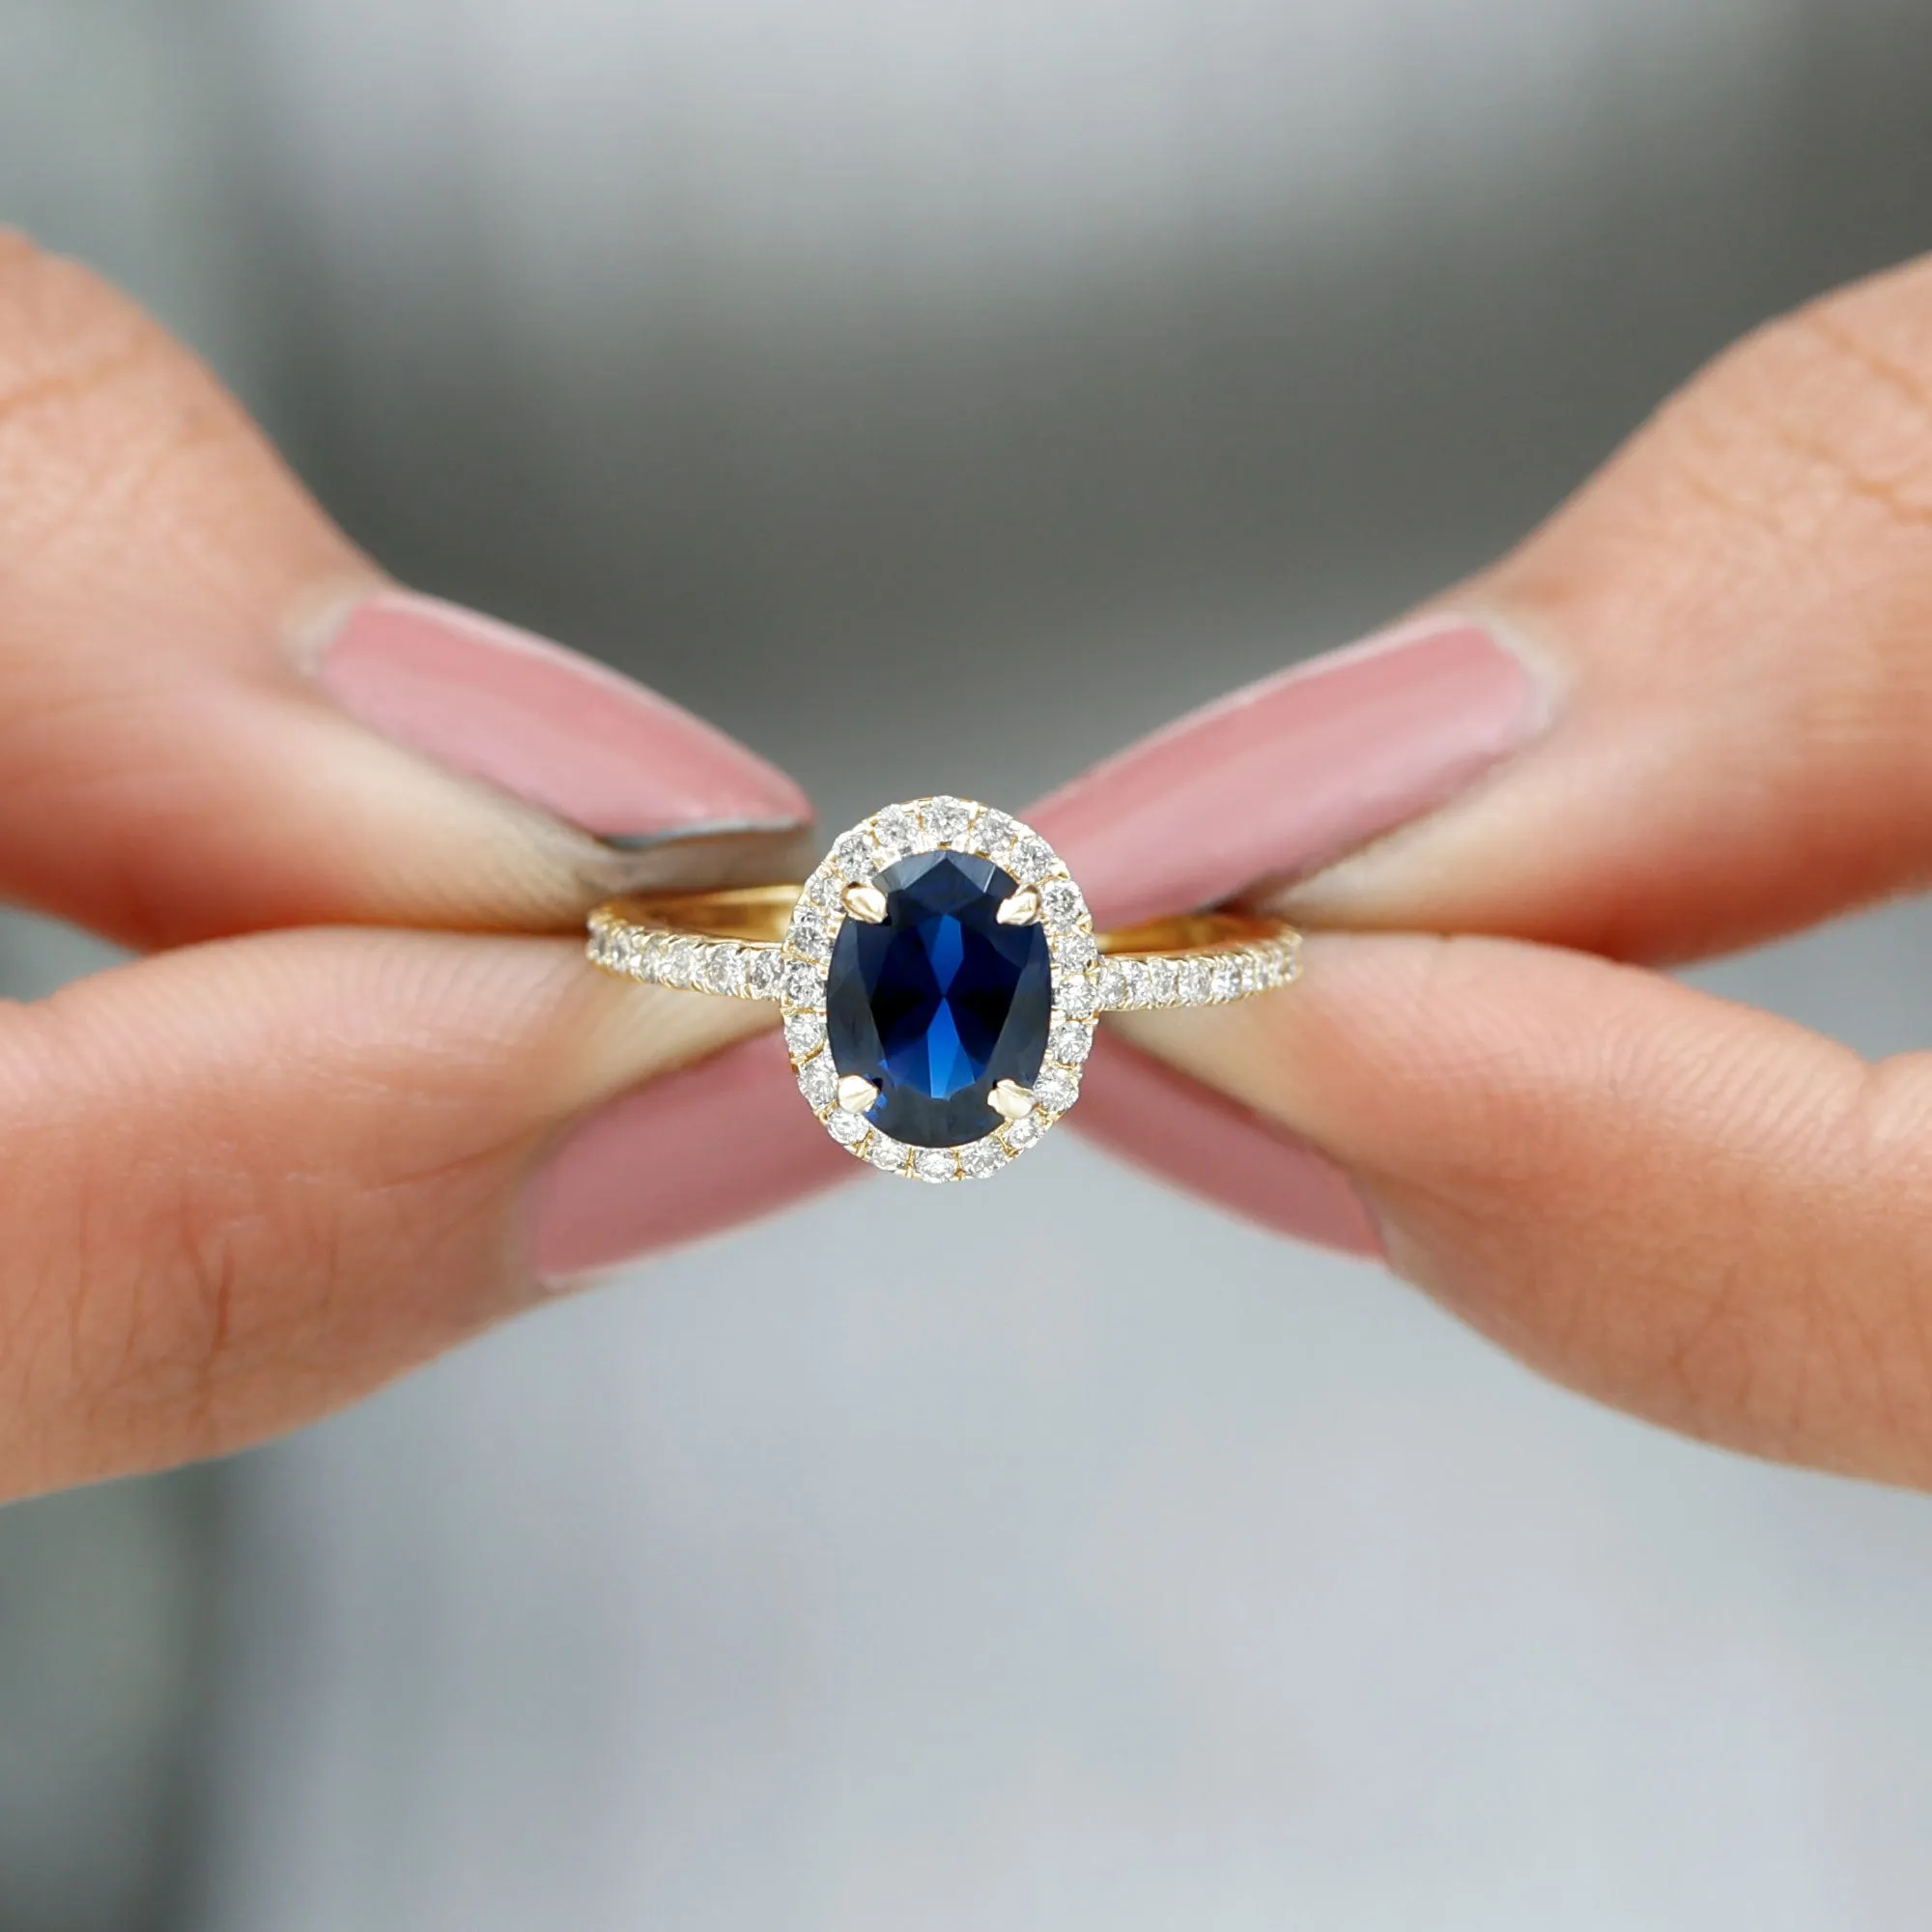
(939, 979)
(634, 939)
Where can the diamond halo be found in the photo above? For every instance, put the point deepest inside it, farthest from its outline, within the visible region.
(858, 858)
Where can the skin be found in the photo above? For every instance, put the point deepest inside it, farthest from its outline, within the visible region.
(1682, 1207)
(273, 1165)
(291, 1154)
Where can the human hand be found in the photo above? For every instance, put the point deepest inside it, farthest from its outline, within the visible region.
(248, 1181)
(1694, 711)
(264, 1171)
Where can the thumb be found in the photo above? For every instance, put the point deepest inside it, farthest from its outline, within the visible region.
(1680, 1206)
(246, 1182)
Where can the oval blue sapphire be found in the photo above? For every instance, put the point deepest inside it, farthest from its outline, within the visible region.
(939, 1002)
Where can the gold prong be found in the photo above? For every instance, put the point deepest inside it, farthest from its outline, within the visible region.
(856, 1092)
(867, 902)
(1022, 909)
(1010, 1100)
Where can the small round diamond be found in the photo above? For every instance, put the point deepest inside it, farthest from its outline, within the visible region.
(1114, 984)
(679, 963)
(1072, 1044)
(993, 834)
(1022, 1134)
(818, 1081)
(894, 833)
(982, 1158)
(805, 1033)
(1251, 975)
(1033, 860)
(725, 970)
(851, 857)
(823, 890)
(1060, 903)
(846, 1128)
(1055, 1090)
(1197, 982)
(946, 819)
(1075, 994)
(811, 935)
(761, 972)
(1227, 979)
(1075, 949)
(886, 1153)
(934, 1164)
(804, 986)
(1160, 983)
(647, 957)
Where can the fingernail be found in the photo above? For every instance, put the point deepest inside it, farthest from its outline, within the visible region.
(555, 730)
(1214, 1146)
(692, 1153)
(1276, 781)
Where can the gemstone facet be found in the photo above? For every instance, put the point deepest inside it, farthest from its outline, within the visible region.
(938, 1002)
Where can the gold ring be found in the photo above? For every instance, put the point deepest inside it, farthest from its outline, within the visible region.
(939, 979)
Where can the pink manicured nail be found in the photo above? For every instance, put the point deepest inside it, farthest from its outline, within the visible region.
(1162, 1120)
(539, 721)
(691, 1154)
(1278, 779)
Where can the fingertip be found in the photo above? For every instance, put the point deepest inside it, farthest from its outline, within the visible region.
(545, 724)
(1277, 781)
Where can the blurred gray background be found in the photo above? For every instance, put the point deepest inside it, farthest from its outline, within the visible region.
(816, 361)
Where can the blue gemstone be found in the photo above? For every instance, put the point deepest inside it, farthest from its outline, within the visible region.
(939, 1002)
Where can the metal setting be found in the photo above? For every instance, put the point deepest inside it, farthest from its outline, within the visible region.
(856, 1094)
(776, 943)
(1010, 1100)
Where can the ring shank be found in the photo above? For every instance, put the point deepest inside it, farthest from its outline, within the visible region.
(751, 913)
(1191, 932)
(730, 942)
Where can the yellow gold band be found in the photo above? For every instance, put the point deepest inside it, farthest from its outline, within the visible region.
(731, 944)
